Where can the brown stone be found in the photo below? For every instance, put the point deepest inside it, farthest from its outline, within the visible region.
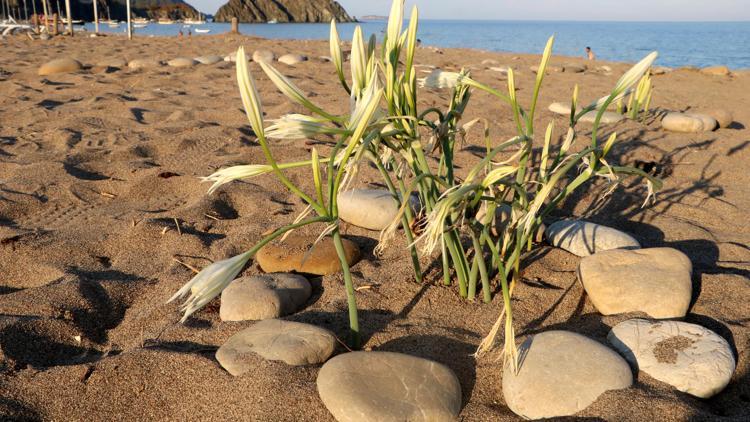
(295, 254)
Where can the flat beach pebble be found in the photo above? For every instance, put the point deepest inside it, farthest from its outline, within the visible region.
(293, 343)
(143, 64)
(656, 281)
(182, 62)
(296, 254)
(680, 122)
(385, 386)
(583, 238)
(292, 59)
(65, 65)
(208, 59)
(373, 209)
(691, 358)
(560, 108)
(561, 373)
(263, 297)
(263, 56)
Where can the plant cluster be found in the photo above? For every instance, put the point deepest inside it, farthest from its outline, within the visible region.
(482, 224)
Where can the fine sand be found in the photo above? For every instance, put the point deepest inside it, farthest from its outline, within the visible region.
(98, 168)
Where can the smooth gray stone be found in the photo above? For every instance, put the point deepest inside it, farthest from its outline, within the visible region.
(561, 373)
(182, 62)
(385, 386)
(263, 56)
(584, 238)
(680, 122)
(293, 343)
(691, 358)
(64, 65)
(292, 59)
(263, 297)
(373, 209)
(656, 281)
(208, 59)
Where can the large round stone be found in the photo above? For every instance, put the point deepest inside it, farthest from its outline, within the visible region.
(561, 373)
(211, 59)
(182, 62)
(709, 123)
(263, 296)
(295, 254)
(293, 343)
(656, 281)
(691, 358)
(373, 209)
(263, 56)
(65, 65)
(680, 122)
(143, 64)
(723, 117)
(584, 238)
(292, 59)
(385, 386)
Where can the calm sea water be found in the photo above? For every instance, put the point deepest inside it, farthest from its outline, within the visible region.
(679, 44)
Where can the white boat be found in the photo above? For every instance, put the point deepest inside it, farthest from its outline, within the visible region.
(202, 31)
(140, 21)
(139, 25)
(272, 21)
(165, 22)
(114, 24)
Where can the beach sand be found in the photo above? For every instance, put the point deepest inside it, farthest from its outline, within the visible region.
(98, 168)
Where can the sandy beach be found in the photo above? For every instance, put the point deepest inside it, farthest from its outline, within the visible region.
(100, 199)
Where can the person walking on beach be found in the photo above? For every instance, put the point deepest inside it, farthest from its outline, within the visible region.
(590, 54)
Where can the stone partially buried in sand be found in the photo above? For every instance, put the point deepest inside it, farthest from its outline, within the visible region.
(295, 254)
(691, 358)
(143, 64)
(684, 123)
(385, 386)
(182, 62)
(561, 373)
(723, 117)
(56, 66)
(263, 56)
(560, 108)
(373, 209)
(115, 62)
(709, 123)
(716, 71)
(655, 281)
(292, 59)
(263, 297)
(608, 117)
(293, 343)
(208, 59)
(584, 238)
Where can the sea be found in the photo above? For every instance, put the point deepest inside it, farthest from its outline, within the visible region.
(679, 43)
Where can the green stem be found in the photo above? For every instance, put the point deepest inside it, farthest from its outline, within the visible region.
(354, 334)
(479, 257)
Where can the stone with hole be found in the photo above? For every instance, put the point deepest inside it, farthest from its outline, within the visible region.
(561, 373)
(584, 238)
(263, 297)
(296, 254)
(385, 386)
(655, 281)
(293, 343)
(64, 65)
(691, 358)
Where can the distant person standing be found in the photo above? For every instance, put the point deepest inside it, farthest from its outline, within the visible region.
(590, 53)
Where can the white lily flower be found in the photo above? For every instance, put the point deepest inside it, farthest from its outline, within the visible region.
(291, 91)
(440, 79)
(229, 174)
(298, 126)
(395, 23)
(358, 61)
(209, 283)
(249, 94)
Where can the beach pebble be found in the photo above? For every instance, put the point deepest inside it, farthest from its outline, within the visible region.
(373, 209)
(608, 117)
(113, 62)
(604, 69)
(208, 59)
(561, 373)
(295, 254)
(584, 238)
(385, 386)
(143, 64)
(691, 358)
(292, 59)
(572, 68)
(709, 123)
(182, 62)
(560, 108)
(550, 68)
(263, 56)
(60, 66)
(655, 281)
(660, 70)
(294, 343)
(716, 71)
(263, 297)
(490, 62)
(501, 69)
(680, 122)
(723, 117)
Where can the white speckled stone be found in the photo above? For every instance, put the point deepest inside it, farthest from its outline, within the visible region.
(691, 358)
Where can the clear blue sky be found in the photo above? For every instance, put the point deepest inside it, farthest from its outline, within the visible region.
(660, 10)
